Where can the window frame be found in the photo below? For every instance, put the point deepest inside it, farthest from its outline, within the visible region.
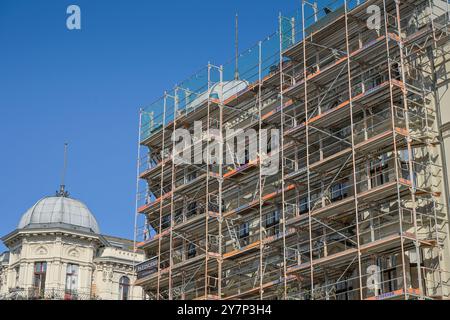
(73, 275)
(40, 276)
(124, 288)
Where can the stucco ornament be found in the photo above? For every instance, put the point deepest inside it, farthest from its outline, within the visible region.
(41, 251)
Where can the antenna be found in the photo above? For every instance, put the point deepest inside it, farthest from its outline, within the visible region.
(236, 45)
(62, 188)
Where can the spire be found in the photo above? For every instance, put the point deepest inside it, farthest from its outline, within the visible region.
(62, 188)
(236, 46)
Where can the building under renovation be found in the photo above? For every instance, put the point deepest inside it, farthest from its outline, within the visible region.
(357, 206)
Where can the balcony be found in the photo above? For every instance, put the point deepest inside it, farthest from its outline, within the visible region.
(47, 294)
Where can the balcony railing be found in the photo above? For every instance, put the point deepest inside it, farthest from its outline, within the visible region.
(47, 294)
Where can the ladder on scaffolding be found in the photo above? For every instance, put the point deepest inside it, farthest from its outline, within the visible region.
(177, 292)
(233, 154)
(233, 233)
(258, 276)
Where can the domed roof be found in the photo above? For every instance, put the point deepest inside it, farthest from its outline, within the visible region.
(59, 211)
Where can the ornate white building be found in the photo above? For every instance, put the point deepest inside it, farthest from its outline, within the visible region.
(58, 252)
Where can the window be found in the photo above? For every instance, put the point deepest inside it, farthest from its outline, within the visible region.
(304, 205)
(272, 223)
(404, 165)
(190, 176)
(269, 144)
(244, 232)
(71, 278)
(247, 156)
(379, 171)
(40, 271)
(339, 191)
(387, 266)
(396, 71)
(416, 265)
(165, 222)
(343, 289)
(191, 209)
(192, 251)
(124, 288)
(17, 273)
(389, 274)
(272, 218)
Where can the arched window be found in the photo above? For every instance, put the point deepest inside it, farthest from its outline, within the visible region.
(124, 287)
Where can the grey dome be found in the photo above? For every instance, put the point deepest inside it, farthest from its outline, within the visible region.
(59, 211)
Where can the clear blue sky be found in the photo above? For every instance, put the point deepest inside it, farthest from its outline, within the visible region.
(86, 87)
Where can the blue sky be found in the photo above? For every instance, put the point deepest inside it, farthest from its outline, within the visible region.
(86, 87)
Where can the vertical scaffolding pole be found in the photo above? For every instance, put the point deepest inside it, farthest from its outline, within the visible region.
(355, 189)
(138, 163)
(208, 137)
(158, 289)
(220, 220)
(283, 215)
(136, 213)
(261, 245)
(308, 181)
(394, 136)
(172, 195)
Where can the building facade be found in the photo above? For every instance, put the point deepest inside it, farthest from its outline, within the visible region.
(357, 207)
(58, 252)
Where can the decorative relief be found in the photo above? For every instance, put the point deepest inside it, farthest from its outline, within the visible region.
(41, 251)
(107, 275)
(73, 252)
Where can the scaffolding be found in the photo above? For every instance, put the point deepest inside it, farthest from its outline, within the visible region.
(357, 206)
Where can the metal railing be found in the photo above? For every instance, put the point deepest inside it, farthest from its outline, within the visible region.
(47, 294)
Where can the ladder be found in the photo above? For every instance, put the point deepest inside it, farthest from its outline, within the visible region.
(232, 231)
(176, 292)
(233, 154)
(257, 276)
(262, 181)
